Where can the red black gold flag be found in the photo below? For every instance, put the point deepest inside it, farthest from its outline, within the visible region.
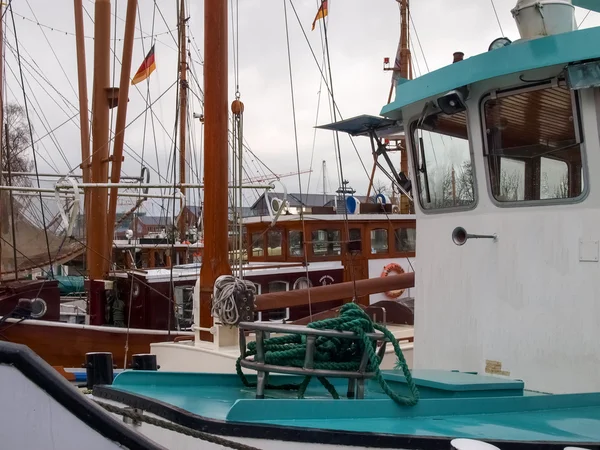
(147, 67)
(321, 13)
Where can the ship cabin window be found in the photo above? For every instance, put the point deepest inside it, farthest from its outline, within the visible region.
(296, 244)
(276, 315)
(405, 239)
(379, 241)
(444, 163)
(533, 145)
(327, 242)
(355, 241)
(258, 244)
(274, 242)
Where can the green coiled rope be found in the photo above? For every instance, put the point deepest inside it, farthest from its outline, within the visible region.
(334, 353)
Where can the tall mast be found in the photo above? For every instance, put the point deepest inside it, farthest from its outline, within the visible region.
(117, 158)
(182, 110)
(2, 213)
(96, 228)
(84, 119)
(215, 261)
(406, 73)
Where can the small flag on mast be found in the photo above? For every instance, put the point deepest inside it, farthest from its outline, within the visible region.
(321, 13)
(147, 67)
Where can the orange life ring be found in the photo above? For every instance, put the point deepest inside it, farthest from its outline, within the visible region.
(396, 268)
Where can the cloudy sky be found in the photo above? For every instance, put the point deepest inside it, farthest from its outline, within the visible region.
(361, 33)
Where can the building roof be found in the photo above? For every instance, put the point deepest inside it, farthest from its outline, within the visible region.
(154, 220)
(296, 199)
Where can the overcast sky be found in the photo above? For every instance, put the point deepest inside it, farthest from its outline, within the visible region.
(361, 33)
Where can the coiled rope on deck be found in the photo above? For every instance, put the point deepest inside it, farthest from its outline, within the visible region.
(332, 353)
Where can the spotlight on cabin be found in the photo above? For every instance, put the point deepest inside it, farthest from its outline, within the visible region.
(452, 102)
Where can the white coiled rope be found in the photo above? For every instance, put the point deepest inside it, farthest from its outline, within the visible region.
(224, 306)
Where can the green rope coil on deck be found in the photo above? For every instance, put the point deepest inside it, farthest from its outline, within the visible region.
(334, 353)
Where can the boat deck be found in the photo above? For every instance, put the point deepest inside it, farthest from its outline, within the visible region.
(453, 404)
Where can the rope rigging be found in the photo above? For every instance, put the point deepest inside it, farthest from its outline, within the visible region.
(335, 354)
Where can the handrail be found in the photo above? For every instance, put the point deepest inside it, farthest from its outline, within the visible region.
(338, 291)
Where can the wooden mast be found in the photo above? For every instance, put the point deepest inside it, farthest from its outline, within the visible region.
(402, 69)
(96, 228)
(84, 118)
(2, 213)
(215, 261)
(182, 111)
(117, 158)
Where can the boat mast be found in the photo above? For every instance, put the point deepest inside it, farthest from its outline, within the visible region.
(96, 228)
(123, 95)
(2, 214)
(182, 111)
(84, 119)
(215, 261)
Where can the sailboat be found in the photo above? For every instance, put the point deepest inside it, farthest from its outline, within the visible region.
(491, 370)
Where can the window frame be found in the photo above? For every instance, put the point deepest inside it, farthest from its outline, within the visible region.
(493, 94)
(415, 153)
(324, 226)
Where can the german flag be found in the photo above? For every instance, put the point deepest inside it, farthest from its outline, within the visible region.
(147, 67)
(321, 13)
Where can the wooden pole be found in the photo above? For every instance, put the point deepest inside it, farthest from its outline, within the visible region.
(337, 291)
(215, 259)
(182, 109)
(125, 82)
(84, 118)
(2, 213)
(96, 228)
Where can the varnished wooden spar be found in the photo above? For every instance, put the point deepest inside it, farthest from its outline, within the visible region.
(339, 291)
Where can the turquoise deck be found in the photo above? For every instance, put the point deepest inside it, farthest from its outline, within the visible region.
(452, 404)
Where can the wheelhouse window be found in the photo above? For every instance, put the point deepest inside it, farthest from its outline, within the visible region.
(406, 239)
(379, 241)
(533, 145)
(327, 242)
(274, 242)
(444, 164)
(258, 244)
(296, 243)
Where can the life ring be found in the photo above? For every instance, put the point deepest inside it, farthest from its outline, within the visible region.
(397, 269)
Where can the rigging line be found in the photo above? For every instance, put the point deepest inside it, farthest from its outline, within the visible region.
(53, 52)
(418, 40)
(289, 55)
(497, 18)
(315, 131)
(326, 84)
(70, 33)
(42, 118)
(51, 165)
(31, 137)
(38, 71)
(339, 155)
(134, 119)
(583, 20)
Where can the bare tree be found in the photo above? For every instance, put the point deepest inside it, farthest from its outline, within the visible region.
(15, 155)
(379, 187)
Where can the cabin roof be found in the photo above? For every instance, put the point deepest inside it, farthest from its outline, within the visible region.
(517, 57)
(296, 199)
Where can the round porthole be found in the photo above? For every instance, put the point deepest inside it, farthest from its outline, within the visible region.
(38, 308)
(302, 283)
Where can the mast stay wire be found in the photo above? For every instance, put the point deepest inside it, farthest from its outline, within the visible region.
(304, 245)
(31, 138)
(326, 83)
(339, 158)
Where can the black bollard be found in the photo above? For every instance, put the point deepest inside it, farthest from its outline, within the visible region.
(98, 368)
(144, 361)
